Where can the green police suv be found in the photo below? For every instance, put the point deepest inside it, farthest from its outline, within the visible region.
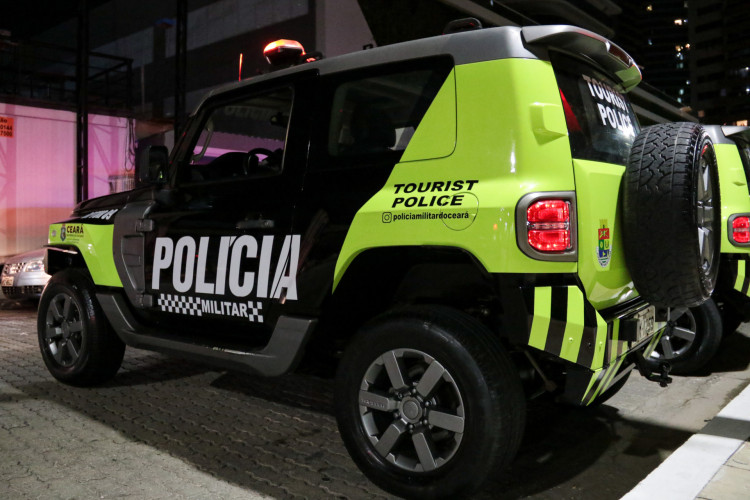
(692, 339)
(450, 225)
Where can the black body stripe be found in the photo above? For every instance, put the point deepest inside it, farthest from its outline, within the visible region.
(746, 283)
(588, 340)
(558, 320)
(530, 304)
(608, 342)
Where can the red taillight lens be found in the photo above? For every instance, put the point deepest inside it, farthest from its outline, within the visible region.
(548, 226)
(550, 240)
(549, 211)
(741, 229)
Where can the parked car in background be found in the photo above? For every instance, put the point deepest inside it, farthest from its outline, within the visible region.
(692, 338)
(23, 276)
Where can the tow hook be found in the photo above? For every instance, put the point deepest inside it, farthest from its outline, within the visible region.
(661, 375)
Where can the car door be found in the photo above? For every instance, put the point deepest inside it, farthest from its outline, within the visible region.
(221, 258)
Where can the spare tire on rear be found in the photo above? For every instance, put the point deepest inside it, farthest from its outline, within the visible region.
(671, 222)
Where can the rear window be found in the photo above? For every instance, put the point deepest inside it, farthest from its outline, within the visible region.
(601, 122)
(369, 115)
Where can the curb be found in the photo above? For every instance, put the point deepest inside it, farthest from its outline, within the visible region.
(691, 467)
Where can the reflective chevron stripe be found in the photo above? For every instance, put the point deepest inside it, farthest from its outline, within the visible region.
(603, 378)
(565, 324)
(743, 276)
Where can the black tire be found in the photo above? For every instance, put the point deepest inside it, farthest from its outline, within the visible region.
(482, 407)
(77, 343)
(731, 319)
(690, 341)
(671, 221)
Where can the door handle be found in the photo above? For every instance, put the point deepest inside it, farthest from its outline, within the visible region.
(256, 224)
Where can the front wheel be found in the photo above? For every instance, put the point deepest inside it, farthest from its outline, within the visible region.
(428, 403)
(77, 344)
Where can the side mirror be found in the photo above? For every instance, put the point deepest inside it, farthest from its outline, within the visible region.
(151, 165)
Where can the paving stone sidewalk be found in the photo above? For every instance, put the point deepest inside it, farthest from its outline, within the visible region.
(165, 429)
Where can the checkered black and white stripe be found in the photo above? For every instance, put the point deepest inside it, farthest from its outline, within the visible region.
(179, 304)
(254, 312)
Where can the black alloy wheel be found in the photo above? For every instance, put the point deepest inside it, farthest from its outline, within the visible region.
(428, 403)
(77, 343)
(690, 340)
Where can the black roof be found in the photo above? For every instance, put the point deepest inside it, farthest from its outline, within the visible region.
(465, 48)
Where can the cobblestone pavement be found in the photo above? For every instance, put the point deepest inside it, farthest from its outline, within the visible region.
(167, 428)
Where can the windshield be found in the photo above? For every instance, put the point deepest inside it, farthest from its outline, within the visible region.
(601, 122)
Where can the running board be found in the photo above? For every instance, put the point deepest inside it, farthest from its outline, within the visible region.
(279, 356)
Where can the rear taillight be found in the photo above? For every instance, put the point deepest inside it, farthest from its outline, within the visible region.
(548, 226)
(740, 229)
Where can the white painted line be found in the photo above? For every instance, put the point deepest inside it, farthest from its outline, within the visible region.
(688, 470)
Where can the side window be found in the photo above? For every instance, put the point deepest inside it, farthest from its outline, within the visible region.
(242, 139)
(744, 149)
(379, 114)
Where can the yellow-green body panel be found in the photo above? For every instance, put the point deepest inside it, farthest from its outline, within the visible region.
(734, 191)
(503, 132)
(510, 139)
(607, 281)
(742, 270)
(94, 241)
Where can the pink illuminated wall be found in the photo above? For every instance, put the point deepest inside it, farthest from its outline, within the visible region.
(37, 170)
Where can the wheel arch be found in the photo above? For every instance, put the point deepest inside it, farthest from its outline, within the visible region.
(57, 258)
(379, 279)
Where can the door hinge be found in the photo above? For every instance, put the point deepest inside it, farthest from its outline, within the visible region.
(144, 225)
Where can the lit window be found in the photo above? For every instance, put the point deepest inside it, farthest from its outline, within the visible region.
(678, 22)
(682, 92)
(650, 42)
(687, 46)
(679, 99)
(678, 48)
(649, 8)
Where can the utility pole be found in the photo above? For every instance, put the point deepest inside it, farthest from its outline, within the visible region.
(82, 107)
(180, 68)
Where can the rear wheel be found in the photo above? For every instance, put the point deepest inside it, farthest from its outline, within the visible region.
(77, 344)
(690, 341)
(671, 222)
(428, 403)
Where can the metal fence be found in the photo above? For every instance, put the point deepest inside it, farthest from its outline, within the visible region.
(45, 72)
